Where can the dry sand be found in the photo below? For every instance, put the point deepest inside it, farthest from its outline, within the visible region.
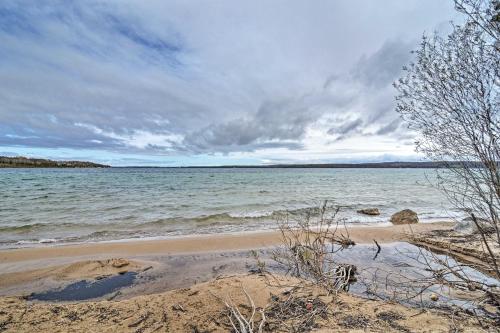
(200, 309)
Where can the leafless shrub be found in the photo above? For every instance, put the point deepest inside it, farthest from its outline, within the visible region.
(485, 15)
(242, 323)
(293, 312)
(450, 97)
(309, 246)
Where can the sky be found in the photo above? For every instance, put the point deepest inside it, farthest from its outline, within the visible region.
(177, 83)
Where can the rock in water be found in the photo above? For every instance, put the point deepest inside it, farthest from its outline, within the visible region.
(406, 216)
(369, 211)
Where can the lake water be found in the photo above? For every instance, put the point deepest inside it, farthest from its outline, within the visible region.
(40, 206)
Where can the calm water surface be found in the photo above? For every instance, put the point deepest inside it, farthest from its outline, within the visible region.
(77, 205)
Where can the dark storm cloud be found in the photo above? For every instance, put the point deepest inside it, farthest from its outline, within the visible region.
(347, 127)
(390, 127)
(381, 68)
(342, 95)
(272, 126)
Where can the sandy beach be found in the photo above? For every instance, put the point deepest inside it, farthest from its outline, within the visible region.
(199, 258)
(200, 308)
(181, 285)
(204, 243)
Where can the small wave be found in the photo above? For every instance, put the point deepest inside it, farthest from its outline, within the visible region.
(8, 209)
(25, 228)
(99, 234)
(40, 197)
(199, 220)
(22, 228)
(47, 240)
(37, 241)
(231, 218)
(311, 211)
(105, 234)
(252, 214)
(112, 208)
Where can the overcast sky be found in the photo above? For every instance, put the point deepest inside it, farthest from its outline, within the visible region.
(208, 82)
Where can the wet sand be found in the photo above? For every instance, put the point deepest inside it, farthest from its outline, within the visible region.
(204, 243)
(176, 263)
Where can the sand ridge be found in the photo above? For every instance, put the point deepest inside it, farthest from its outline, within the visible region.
(88, 269)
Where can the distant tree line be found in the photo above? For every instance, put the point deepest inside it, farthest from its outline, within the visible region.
(24, 162)
(375, 165)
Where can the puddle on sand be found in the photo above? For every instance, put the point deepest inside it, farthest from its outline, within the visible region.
(85, 290)
(400, 272)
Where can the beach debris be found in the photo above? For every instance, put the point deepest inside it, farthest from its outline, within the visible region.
(241, 323)
(4, 323)
(345, 275)
(196, 292)
(309, 306)
(390, 316)
(379, 248)
(296, 311)
(114, 295)
(406, 216)
(354, 321)
(467, 226)
(344, 241)
(195, 329)
(290, 290)
(178, 307)
(261, 265)
(217, 270)
(141, 319)
(369, 211)
(72, 315)
(119, 262)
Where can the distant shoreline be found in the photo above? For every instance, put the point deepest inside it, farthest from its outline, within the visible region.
(378, 165)
(24, 162)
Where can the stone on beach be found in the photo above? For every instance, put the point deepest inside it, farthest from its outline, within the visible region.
(467, 226)
(406, 216)
(119, 262)
(369, 211)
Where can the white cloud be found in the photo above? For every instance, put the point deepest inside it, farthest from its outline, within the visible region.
(245, 79)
